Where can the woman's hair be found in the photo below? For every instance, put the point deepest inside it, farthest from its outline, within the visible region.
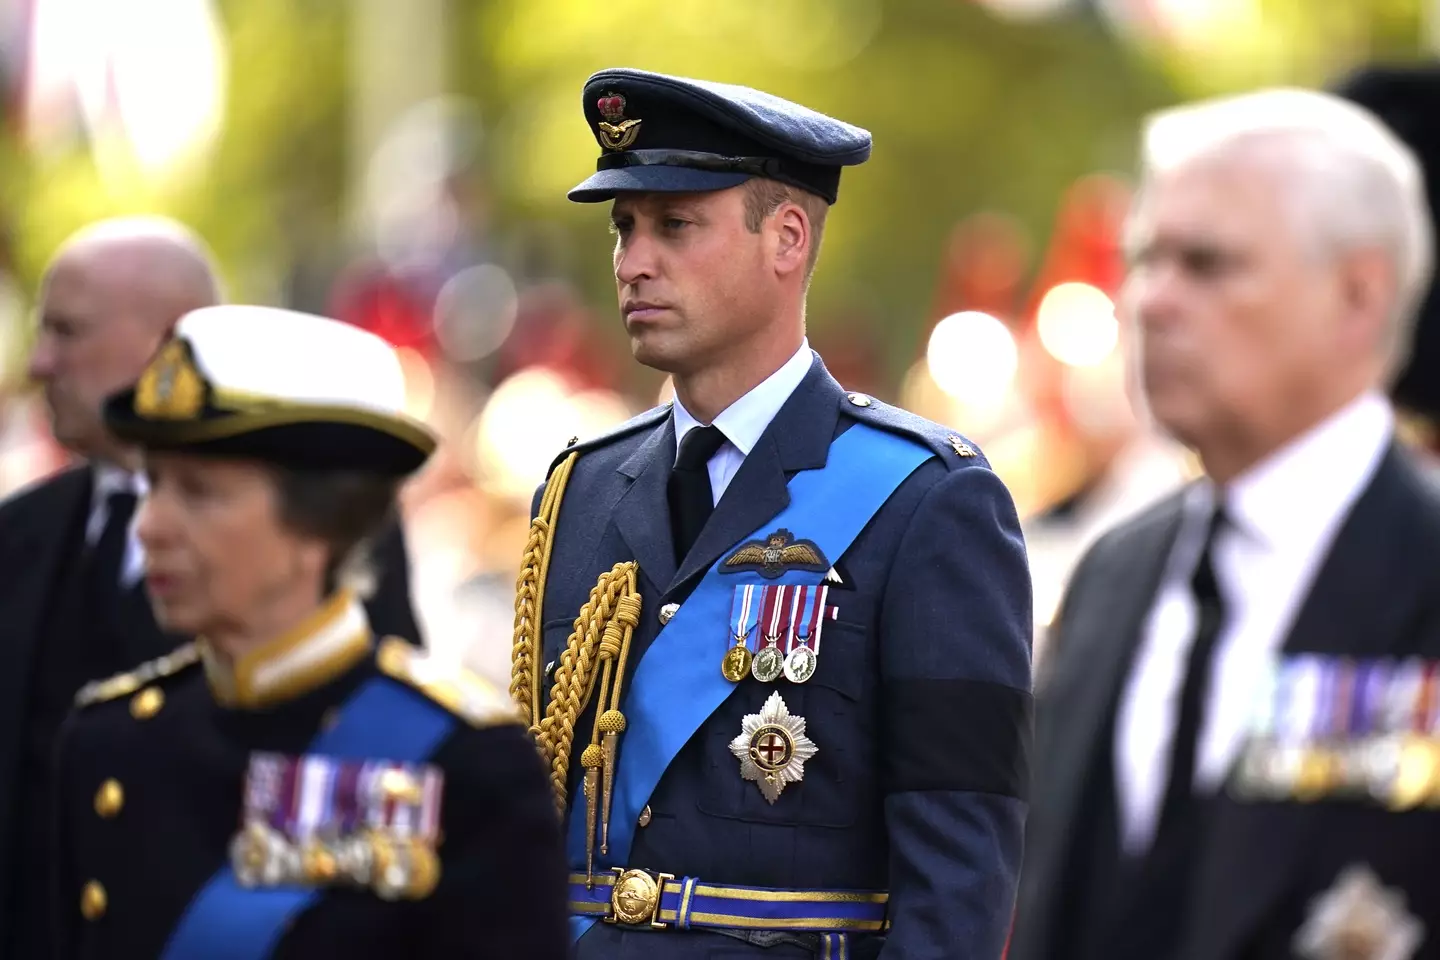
(346, 509)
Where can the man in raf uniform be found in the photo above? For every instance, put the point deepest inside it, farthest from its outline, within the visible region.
(774, 637)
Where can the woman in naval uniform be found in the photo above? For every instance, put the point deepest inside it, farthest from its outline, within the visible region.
(290, 785)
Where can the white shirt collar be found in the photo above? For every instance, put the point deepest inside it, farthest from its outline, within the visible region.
(1331, 463)
(746, 419)
(112, 479)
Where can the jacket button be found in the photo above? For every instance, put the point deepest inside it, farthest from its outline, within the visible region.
(109, 799)
(859, 399)
(147, 703)
(644, 820)
(93, 901)
(667, 613)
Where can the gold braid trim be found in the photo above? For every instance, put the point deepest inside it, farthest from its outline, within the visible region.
(595, 656)
(525, 674)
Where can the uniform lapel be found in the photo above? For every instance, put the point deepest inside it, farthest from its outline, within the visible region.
(1358, 606)
(797, 439)
(642, 515)
(1097, 644)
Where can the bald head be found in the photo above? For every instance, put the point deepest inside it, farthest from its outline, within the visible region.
(109, 299)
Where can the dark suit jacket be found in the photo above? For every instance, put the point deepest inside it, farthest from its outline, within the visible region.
(34, 525)
(919, 706)
(1377, 594)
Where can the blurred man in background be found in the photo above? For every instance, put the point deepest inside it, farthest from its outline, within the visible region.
(1279, 247)
(71, 604)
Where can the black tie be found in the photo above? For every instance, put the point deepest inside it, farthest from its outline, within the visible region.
(1178, 808)
(691, 498)
(1159, 882)
(109, 551)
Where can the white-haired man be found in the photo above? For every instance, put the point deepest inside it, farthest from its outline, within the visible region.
(1243, 686)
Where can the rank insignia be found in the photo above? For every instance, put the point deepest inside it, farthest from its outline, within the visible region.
(772, 748)
(961, 448)
(778, 553)
(616, 132)
(318, 821)
(1358, 918)
(171, 388)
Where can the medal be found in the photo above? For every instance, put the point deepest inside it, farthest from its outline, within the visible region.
(744, 613)
(800, 665)
(736, 663)
(777, 611)
(1359, 917)
(767, 665)
(772, 748)
(803, 647)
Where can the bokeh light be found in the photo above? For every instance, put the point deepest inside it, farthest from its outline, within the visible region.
(1076, 324)
(972, 357)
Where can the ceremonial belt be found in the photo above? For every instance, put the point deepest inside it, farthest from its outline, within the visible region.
(226, 921)
(673, 691)
(660, 901)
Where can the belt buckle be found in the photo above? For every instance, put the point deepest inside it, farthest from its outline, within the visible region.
(635, 898)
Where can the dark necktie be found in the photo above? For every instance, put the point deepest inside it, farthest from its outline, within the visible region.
(1177, 809)
(1159, 879)
(106, 557)
(689, 492)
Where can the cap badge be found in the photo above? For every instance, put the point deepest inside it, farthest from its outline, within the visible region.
(171, 388)
(616, 133)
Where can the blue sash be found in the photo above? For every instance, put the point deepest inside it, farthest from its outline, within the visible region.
(384, 719)
(673, 689)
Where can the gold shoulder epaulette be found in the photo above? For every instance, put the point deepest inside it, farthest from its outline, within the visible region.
(98, 691)
(456, 688)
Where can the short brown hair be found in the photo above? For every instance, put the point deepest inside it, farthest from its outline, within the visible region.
(763, 197)
(346, 509)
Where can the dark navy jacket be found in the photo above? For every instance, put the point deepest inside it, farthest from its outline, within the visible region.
(920, 706)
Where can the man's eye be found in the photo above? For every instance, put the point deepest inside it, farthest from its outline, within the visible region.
(1204, 261)
(675, 223)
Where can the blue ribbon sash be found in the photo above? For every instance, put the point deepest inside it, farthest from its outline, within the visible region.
(226, 921)
(673, 691)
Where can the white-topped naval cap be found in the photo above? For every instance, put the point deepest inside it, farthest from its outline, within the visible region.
(267, 352)
(279, 385)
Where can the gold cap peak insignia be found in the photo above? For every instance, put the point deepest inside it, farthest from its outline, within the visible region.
(171, 388)
(616, 133)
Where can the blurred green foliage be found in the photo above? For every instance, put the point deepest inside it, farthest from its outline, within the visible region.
(969, 112)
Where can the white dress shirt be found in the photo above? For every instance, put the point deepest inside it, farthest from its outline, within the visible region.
(110, 479)
(1284, 514)
(746, 419)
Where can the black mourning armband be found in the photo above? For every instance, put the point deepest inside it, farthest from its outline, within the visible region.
(942, 734)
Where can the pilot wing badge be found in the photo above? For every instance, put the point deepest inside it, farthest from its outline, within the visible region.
(778, 553)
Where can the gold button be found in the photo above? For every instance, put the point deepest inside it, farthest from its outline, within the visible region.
(859, 399)
(667, 613)
(645, 816)
(109, 798)
(93, 901)
(147, 703)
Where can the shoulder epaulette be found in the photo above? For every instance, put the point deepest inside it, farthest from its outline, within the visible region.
(456, 688)
(953, 449)
(647, 419)
(122, 684)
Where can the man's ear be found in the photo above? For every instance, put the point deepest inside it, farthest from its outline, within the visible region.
(793, 238)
